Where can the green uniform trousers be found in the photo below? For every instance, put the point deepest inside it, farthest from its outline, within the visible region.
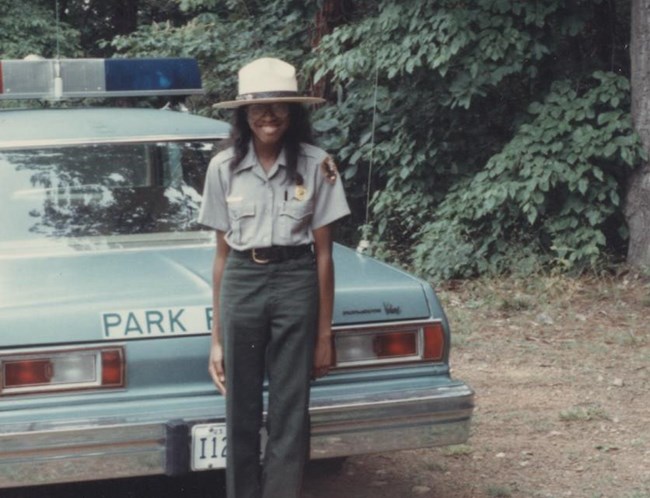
(268, 319)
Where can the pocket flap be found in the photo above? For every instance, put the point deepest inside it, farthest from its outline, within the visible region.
(239, 211)
(297, 211)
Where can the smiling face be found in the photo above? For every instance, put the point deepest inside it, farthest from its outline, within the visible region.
(268, 122)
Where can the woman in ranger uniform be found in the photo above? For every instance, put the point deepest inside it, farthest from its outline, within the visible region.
(272, 198)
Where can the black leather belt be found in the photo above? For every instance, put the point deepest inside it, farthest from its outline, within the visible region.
(275, 254)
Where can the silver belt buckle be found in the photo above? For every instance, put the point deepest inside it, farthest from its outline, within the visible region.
(257, 259)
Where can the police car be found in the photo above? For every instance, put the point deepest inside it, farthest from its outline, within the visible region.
(105, 295)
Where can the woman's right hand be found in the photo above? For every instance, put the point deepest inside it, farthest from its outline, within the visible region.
(216, 369)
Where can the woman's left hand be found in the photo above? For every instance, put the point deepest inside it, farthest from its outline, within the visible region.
(322, 356)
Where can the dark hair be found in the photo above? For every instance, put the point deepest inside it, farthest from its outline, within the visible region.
(299, 131)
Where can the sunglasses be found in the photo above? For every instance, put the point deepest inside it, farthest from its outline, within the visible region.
(277, 109)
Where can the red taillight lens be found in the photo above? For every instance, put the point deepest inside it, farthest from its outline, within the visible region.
(434, 341)
(27, 373)
(396, 344)
(112, 368)
(61, 370)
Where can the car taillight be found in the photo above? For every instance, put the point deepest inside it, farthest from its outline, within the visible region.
(61, 370)
(401, 343)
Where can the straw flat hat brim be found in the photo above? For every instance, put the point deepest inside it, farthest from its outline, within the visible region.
(232, 104)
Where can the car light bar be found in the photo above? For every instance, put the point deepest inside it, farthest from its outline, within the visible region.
(79, 78)
(400, 343)
(61, 370)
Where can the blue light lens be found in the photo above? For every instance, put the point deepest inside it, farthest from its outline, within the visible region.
(152, 75)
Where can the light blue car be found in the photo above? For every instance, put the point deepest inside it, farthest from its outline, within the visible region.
(105, 299)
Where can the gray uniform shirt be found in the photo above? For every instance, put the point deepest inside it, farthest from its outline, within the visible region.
(256, 209)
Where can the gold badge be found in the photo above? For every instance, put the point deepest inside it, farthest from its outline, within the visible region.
(300, 192)
(328, 167)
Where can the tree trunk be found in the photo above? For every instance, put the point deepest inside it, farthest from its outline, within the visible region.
(125, 16)
(328, 17)
(637, 205)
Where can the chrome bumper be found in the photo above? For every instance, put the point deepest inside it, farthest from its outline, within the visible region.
(85, 449)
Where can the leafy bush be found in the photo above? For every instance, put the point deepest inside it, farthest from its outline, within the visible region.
(28, 28)
(551, 196)
(223, 37)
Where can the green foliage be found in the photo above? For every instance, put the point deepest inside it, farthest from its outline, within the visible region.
(454, 194)
(224, 37)
(552, 195)
(472, 47)
(427, 60)
(30, 28)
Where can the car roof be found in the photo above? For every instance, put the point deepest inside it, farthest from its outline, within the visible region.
(28, 128)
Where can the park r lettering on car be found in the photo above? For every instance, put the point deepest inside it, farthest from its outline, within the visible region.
(158, 322)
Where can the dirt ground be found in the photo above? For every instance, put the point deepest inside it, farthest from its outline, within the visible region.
(561, 370)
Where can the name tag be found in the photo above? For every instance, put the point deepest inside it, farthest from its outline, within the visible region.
(156, 322)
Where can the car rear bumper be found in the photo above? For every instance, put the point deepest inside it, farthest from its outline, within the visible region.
(100, 448)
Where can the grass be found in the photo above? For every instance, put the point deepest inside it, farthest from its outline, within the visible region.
(638, 443)
(499, 491)
(627, 338)
(584, 414)
(458, 450)
(516, 304)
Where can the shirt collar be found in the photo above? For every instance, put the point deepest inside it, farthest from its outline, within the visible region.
(250, 161)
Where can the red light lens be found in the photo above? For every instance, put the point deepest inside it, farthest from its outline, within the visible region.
(434, 341)
(112, 368)
(27, 373)
(396, 344)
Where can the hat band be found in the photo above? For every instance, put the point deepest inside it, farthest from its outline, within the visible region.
(266, 95)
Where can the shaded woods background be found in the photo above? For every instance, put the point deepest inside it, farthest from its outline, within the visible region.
(503, 140)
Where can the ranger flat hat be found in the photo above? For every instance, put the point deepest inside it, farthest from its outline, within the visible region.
(265, 81)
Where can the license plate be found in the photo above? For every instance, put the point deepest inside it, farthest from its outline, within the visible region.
(208, 446)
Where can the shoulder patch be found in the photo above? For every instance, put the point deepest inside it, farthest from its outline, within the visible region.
(329, 170)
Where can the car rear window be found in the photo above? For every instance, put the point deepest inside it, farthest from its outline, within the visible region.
(101, 190)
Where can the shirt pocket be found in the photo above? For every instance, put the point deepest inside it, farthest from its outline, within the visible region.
(295, 221)
(242, 222)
